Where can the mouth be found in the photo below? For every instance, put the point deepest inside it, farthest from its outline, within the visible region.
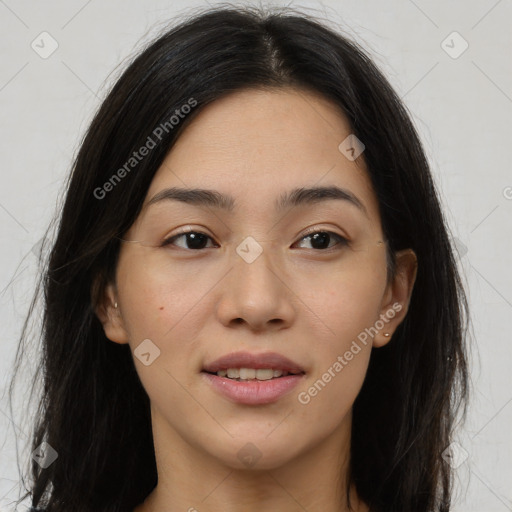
(253, 379)
(246, 374)
(247, 366)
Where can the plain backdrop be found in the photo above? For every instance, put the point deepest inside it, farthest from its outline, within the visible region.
(461, 102)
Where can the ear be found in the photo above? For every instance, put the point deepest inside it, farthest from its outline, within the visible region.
(110, 315)
(397, 296)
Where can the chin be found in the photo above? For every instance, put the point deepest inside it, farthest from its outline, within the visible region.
(253, 453)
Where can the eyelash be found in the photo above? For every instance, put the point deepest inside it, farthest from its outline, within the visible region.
(342, 241)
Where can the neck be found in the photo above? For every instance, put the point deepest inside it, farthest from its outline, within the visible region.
(194, 481)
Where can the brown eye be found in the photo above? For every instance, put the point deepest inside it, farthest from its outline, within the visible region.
(321, 239)
(194, 240)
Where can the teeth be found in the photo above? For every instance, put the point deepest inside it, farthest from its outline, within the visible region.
(251, 373)
(247, 373)
(264, 374)
(233, 373)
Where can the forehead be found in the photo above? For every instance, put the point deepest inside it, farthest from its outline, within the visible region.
(256, 145)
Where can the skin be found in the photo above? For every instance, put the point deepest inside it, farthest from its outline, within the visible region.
(306, 303)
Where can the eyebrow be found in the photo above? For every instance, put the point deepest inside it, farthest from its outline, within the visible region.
(293, 198)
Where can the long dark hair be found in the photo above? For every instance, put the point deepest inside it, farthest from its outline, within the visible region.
(93, 409)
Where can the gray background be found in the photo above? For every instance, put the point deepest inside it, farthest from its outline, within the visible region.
(462, 107)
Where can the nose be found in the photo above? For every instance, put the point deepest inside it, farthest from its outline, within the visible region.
(257, 294)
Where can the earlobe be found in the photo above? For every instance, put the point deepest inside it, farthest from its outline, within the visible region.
(397, 297)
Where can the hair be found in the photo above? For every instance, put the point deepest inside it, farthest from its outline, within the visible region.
(93, 409)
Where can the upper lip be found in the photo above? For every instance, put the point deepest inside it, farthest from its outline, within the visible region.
(270, 360)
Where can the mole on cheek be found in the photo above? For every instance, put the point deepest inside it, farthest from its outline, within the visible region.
(160, 308)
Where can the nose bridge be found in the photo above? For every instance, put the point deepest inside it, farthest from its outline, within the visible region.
(256, 293)
(256, 265)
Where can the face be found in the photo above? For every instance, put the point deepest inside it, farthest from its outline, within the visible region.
(303, 279)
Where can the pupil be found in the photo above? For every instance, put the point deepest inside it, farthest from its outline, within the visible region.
(196, 240)
(321, 240)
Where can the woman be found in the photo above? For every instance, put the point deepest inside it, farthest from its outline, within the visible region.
(251, 302)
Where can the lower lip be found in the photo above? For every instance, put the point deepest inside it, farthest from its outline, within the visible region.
(253, 392)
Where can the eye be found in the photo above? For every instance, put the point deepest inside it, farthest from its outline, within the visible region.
(320, 239)
(195, 239)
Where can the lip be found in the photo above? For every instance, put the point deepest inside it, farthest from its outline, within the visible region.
(271, 360)
(253, 392)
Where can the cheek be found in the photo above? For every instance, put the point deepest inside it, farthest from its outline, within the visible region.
(348, 302)
(163, 306)
(347, 297)
(160, 300)
(341, 359)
